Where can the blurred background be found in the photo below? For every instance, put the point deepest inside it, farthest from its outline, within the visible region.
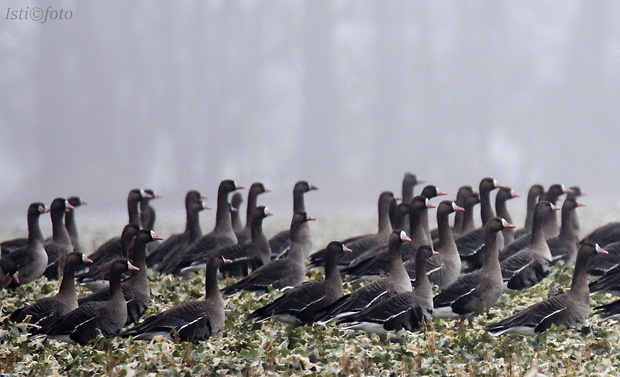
(348, 95)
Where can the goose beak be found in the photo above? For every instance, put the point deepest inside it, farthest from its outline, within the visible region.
(600, 250)
(268, 213)
(310, 218)
(516, 195)
(458, 209)
(87, 260)
(131, 267)
(435, 252)
(422, 181)
(83, 203)
(227, 261)
(555, 208)
(239, 188)
(439, 193)
(267, 190)
(346, 249)
(581, 205)
(431, 205)
(398, 198)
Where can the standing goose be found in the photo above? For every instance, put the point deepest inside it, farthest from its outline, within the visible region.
(531, 264)
(470, 243)
(280, 273)
(190, 321)
(565, 309)
(503, 195)
(575, 193)
(222, 234)
(302, 302)
(70, 224)
(102, 317)
(48, 310)
(396, 282)
(445, 267)
(112, 248)
(552, 228)
(476, 292)
(376, 261)
(244, 235)
(361, 244)
(136, 289)
(281, 241)
(235, 214)
(60, 245)
(29, 262)
(535, 193)
(147, 212)
(406, 310)
(176, 243)
(566, 245)
(430, 192)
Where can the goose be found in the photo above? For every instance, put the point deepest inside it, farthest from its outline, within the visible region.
(406, 310)
(361, 244)
(222, 234)
(302, 302)
(280, 273)
(531, 264)
(70, 223)
(96, 277)
(235, 213)
(136, 289)
(102, 317)
(566, 244)
(503, 195)
(29, 263)
(445, 267)
(396, 282)
(193, 321)
(60, 245)
(534, 194)
(244, 235)
(526, 240)
(470, 243)
(281, 241)
(564, 309)
(49, 309)
(464, 223)
(475, 292)
(194, 204)
(112, 249)
(243, 256)
(376, 261)
(575, 193)
(552, 228)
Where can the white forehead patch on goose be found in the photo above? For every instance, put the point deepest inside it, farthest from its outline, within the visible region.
(403, 235)
(504, 222)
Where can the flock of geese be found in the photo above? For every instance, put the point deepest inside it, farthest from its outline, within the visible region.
(398, 265)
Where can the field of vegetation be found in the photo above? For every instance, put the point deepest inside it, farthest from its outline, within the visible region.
(278, 349)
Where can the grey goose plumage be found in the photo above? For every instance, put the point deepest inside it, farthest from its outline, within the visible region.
(302, 302)
(564, 309)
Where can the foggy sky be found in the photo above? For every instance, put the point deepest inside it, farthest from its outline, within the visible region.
(348, 95)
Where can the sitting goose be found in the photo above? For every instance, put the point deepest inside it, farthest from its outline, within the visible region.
(280, 273)
(531, 264)
(445, 267)
(250, 255)
(136, 289)
(222, 234)
(96, 277)
(302, 302)
(376, 261)
(30, 262)
(281, 241)
(565, 309)
(49, 309)
(406, 310)
(396, 282)
(190, 321)
(361, 244)
(112, 249)
(147, 212)
(176, 243)
(102, 317)
(476, 292)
